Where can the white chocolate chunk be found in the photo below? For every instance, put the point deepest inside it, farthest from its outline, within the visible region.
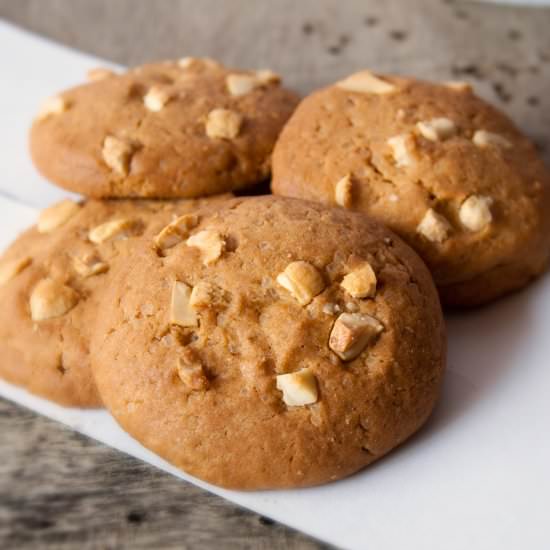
(437, 129)
(343, 192)
(99, 73)
(366, 82)
(52, 106)
(434, 226)
(299, 388)
(223, 124)
(210, 243)
(361, 282)
(56, 215)
(192, 374)
(156, 98)
(475, 212)
(188, 62)
(175, 232)
(400, 152)
(207, 295)
(352, 333)
(113, 229)
(181, 312)
(302, 280)
(241, 84)
(267, 76)
(10, 268)
(458, 85)
(50, 299)
(89, 265)
(117, 154)
(483, 138)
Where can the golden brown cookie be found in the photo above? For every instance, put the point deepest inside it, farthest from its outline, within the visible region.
(285, 344)
(170, 129)
(50, 281)
(442, 168)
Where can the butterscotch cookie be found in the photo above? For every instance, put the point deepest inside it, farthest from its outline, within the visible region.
(285, 344)
(51, 278)
(172, 129)
(442, 168)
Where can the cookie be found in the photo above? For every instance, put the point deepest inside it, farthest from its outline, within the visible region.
(306, 340)
(166, 130)
(50, 280)
(445, 170)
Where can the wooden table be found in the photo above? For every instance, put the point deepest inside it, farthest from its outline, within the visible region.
(61, 490)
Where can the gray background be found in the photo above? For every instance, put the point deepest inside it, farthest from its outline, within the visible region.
(60, 490)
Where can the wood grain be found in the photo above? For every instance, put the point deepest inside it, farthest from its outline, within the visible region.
(60, 490)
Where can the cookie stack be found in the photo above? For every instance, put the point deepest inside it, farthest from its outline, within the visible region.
(306, 337)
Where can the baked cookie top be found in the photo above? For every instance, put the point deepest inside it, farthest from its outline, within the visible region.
(448, 172)
(283, 344)
(185, 128)
(50, 281)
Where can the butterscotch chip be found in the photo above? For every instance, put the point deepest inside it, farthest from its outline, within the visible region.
(210, 243)
(475, 212)
(56, 215)
(156, 98)
(99, 73)
(192, 374)
(302, 280)
(181, 312)
(361, 282)
(10, 268)
(299, 388)
(52, 106)
(352, 333)
(399, 149)
(343, 192)
(117, 154)
(112, 229)
(366, 82)
(89, 265)
(223, 124)
(434, 226)
(176, 231)
(50, 299)
(437, 129)
(483, 138)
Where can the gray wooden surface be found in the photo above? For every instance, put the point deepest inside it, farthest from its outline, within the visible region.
(60, 490)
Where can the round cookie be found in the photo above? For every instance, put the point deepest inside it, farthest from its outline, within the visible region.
(165, 130)
(307, 339)
(50, 281)
(445, 170)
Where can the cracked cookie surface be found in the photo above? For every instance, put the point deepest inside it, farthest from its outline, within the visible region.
(165, 130)
(445, 170)
(51, 278)
(284, 344)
